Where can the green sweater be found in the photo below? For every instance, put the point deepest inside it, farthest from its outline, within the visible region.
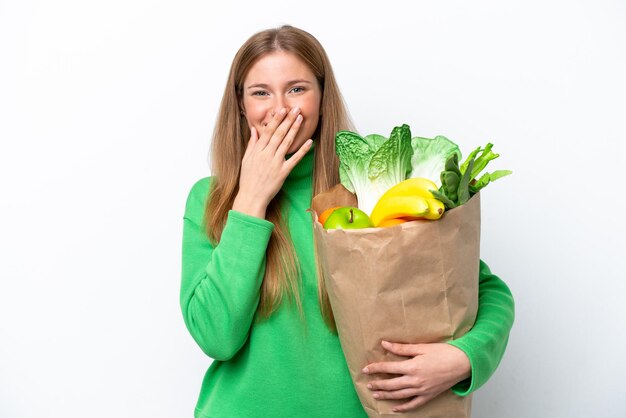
(283, 367)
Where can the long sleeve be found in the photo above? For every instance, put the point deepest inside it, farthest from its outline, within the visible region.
(485, 343)
(220, 286)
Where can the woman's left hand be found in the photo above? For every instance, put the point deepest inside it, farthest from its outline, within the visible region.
(432, 369)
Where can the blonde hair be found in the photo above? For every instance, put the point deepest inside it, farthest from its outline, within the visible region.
(229, 143)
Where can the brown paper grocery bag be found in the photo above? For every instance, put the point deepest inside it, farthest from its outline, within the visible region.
(416, 282)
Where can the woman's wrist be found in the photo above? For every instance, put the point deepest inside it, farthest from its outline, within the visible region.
(249, 206)
(464, 366)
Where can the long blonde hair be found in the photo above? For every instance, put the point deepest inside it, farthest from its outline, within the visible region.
(229, 141)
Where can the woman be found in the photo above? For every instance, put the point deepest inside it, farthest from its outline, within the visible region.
(249, 292)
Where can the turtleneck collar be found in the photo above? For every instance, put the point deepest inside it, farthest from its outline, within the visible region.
(304, 168)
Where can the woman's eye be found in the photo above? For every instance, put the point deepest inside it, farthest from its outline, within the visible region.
(259, 93)
(297, 89)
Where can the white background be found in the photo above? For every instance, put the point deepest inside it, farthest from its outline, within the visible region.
(106, 113)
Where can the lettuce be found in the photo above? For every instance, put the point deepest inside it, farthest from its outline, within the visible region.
(369, 166)
(430, 156)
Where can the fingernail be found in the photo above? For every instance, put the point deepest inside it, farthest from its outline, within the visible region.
(295, 110)
(283, 111)
(366, 370)
(369, 385)
(376, 395)
(385, 343)
(299, 118)
(394, 409)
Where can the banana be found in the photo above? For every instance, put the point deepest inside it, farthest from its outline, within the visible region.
(417, 186)
(411, 199)
(398, 207)
(435, 209)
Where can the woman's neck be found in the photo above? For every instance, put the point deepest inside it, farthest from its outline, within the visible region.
(304, 168)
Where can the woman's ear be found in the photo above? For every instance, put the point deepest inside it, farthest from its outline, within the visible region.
(242, 110)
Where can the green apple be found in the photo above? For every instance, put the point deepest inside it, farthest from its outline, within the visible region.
(348, 217)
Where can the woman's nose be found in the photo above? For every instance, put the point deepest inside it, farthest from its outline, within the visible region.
(281, 103)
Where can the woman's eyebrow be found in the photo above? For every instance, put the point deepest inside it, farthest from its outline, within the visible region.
(299, 81)
(289, 83)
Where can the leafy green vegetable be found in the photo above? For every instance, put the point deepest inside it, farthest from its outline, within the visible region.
(464, 193)
(481, 161)
(370, 166)
(376, 140)
(459, 183)
(487, 178)
(430, 155)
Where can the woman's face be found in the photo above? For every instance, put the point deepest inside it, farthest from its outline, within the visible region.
(277, 80)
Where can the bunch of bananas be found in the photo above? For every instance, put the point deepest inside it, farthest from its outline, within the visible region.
(408, 200)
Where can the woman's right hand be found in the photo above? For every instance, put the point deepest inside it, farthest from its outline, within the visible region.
(263, 167)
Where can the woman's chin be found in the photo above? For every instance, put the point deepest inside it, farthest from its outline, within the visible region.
(294, 147)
